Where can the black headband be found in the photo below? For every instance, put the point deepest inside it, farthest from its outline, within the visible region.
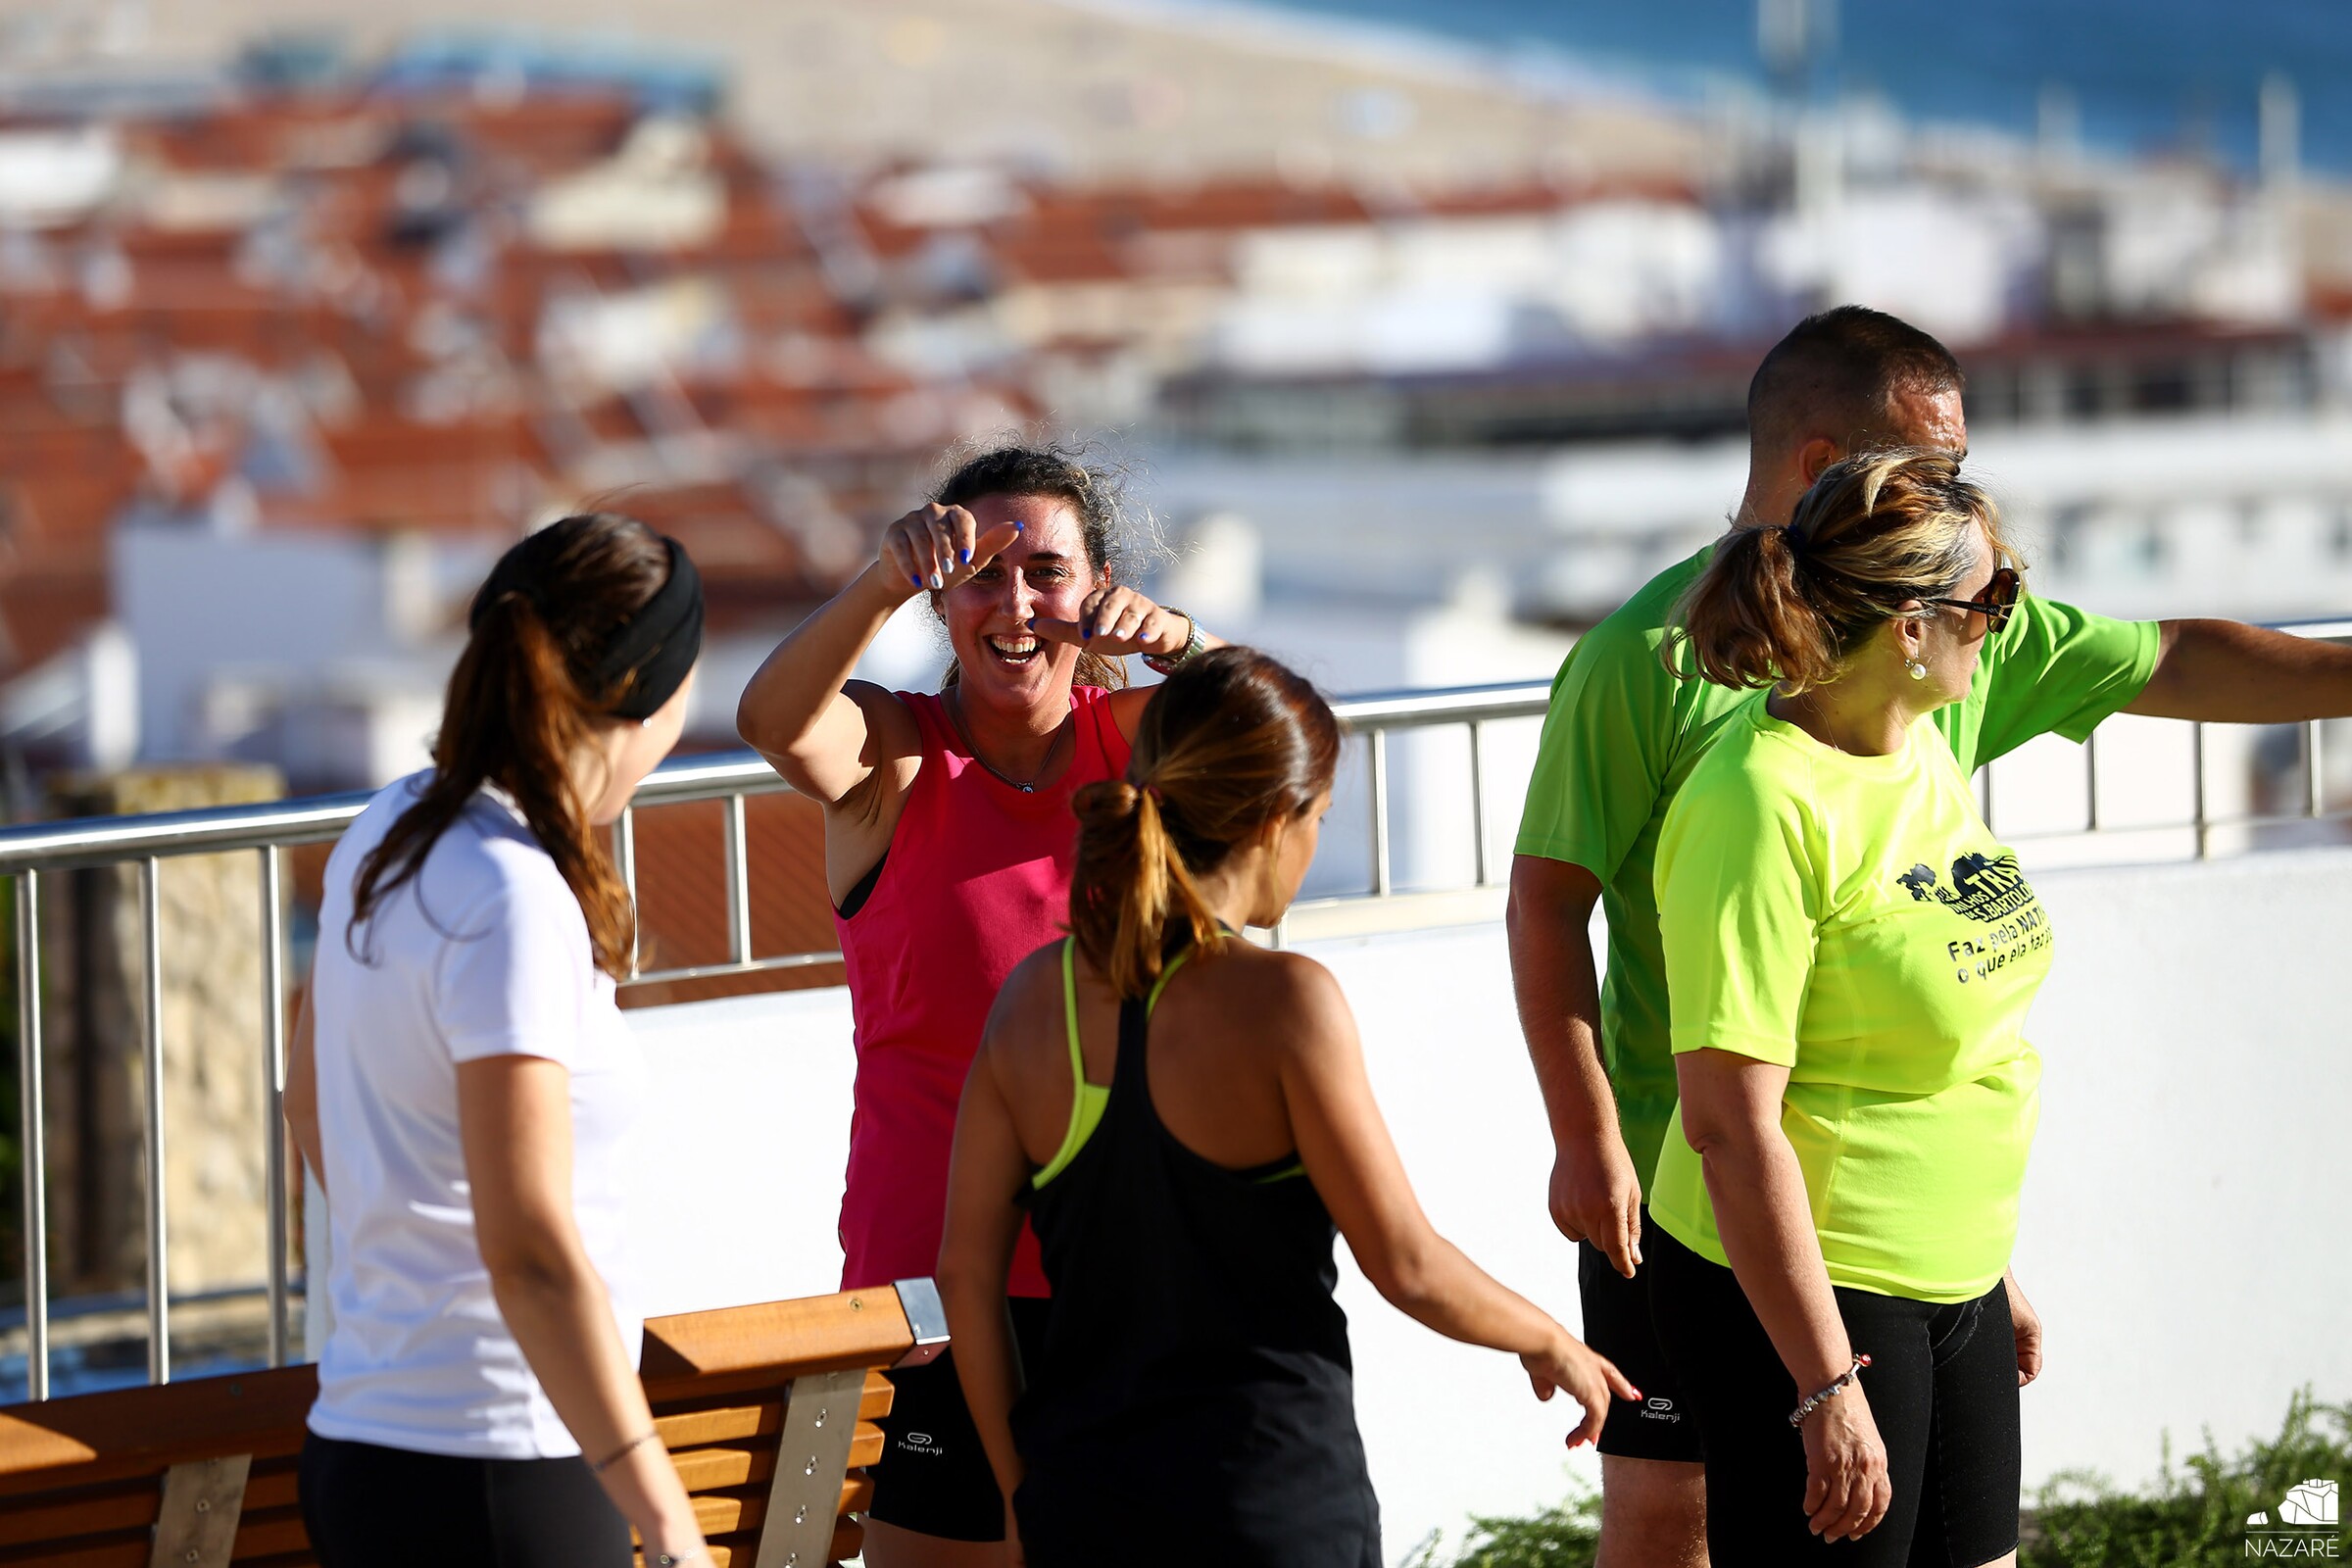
(658, 645)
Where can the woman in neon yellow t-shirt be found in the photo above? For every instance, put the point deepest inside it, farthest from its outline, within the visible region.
(1850, 958)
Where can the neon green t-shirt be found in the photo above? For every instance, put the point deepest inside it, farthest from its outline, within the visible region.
(1852, 919)
(1623, 734)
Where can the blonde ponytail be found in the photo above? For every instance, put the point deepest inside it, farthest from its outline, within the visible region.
(1789, 605)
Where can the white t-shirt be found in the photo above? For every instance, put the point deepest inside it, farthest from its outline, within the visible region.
(484, 954)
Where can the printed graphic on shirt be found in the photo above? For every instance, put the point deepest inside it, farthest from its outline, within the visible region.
(1993, 892)
(1990, 888)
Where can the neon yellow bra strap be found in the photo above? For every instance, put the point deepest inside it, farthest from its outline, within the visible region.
(1088, 1101)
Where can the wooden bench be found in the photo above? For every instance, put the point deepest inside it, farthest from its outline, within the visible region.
(767, 1411)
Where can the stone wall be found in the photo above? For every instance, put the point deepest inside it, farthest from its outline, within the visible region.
(94, 1000)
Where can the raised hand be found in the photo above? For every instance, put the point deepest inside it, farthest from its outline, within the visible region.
(1589, 1377)
(1115, 619)
(937, 547)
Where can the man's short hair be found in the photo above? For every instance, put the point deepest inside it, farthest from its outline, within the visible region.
(1838, 374)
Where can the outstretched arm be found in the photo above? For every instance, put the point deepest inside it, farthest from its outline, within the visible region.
(2225, 672)
(1348, 1152)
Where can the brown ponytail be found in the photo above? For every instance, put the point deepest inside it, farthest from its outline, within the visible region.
(518, 713)
(1232, 743)
(1788, 606)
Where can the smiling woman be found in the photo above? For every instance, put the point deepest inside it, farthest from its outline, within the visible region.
(948, 847)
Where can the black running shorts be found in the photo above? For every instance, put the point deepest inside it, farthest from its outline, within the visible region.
(933, 1476)
(1617, 1324)
(370, 1506)
(1943, 1389)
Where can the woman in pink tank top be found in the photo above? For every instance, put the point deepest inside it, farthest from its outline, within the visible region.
(948, 846)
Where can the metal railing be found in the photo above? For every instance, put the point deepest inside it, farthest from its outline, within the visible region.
(32, 852)
(35, 851)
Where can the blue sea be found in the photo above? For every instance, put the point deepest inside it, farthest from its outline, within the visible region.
(2144, 75)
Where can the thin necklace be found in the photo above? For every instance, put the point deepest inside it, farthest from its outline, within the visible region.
(1028, 786)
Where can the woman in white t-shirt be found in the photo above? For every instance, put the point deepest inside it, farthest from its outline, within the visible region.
(462, 1083)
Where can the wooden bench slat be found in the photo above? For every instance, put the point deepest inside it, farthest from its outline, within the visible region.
(128, 1552)
(82, 1479)
(709, 1469)
(696, 1352)
(728, 1424)
(268, 1534)
(132, 1432)
(121, 1506)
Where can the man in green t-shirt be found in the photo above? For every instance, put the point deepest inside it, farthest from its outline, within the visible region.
(1621, 736)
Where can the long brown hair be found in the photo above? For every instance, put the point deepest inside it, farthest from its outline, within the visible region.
(518, 712)
(1233, 741)
(1788, 606)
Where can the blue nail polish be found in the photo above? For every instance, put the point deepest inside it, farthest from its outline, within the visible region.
(965, 556)
(917, 581)
(1033, 624)
(1019, 527)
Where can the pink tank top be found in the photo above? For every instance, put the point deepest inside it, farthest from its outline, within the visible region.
(977, 878)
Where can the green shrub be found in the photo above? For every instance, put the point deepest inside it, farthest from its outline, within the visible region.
(2194, 1516)
(1562, 1536)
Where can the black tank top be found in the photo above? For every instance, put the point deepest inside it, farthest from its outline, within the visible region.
(1195, 1402)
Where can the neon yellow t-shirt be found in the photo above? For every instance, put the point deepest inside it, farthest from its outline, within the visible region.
(1852, 919)
(1622, 734)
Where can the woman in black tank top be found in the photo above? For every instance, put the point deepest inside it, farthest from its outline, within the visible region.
(1186, 1119)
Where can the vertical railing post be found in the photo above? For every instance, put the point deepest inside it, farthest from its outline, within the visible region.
(1380, 813)
(159, 1273)
(2197, 769)
(1984, 795)
(739, 885)
(274, 1095)
(1478, 801)
(2315, 783)
(2090, 782)
(624, 861)
(33, 1136)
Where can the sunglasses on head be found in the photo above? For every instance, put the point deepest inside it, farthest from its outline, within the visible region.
(1996, 604)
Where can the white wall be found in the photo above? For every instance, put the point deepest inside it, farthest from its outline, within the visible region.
(2184, 1216)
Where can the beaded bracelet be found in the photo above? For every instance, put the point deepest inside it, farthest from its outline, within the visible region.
(1814, 1402)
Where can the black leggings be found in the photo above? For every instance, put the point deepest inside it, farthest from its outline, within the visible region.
(1942, 1388)
(367, 1506)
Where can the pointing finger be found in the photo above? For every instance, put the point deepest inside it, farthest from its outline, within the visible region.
(994, 543)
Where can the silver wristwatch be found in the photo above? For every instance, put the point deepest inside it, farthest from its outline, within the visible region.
(1194, 642)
